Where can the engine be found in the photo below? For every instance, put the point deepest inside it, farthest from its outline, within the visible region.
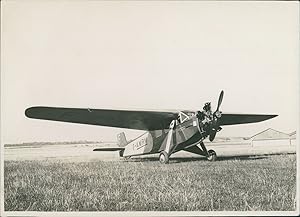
(208, 121)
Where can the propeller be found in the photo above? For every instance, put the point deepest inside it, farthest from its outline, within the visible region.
(220, 100)
(216, 116)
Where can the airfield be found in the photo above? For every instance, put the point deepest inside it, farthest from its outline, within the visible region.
(71, 177)
(84, 152)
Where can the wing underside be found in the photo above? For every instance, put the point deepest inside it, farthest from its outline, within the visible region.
(131, 119)
(232, 119)
(139, 120)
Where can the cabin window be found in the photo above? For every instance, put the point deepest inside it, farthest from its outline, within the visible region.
(183, 117)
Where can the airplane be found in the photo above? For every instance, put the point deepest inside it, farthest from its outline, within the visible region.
(167, 132)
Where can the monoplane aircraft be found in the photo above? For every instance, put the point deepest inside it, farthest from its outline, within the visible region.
(167, 131)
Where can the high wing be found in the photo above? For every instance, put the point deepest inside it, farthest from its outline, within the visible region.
(139, 120)
(232, 119)
(131, 119)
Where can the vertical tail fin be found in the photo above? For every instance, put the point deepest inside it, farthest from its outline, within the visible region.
(122, 139)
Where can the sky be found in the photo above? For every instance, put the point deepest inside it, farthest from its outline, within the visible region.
(146, 55)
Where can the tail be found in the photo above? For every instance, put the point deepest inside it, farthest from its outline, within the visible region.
(122, 142)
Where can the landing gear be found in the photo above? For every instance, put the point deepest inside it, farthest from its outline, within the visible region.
(212, 156)
(165, 154)
(163, 157)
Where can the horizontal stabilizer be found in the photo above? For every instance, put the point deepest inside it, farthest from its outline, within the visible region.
(109, 149)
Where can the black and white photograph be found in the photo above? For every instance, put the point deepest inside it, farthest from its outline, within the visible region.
(149, 108)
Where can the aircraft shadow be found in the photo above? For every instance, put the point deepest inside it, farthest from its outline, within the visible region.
(191, 159)
(223, 158)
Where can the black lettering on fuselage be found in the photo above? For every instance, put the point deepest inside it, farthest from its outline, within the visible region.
(139, 144)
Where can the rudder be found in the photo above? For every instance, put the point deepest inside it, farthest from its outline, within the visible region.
(122, 141)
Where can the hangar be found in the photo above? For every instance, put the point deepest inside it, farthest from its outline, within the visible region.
(271, 137)
(293, 138)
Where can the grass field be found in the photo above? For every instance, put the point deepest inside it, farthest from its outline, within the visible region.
(186, 184)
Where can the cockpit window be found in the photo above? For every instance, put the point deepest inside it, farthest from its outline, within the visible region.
(184, 116)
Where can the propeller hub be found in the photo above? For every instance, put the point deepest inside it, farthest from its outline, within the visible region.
(218, 114)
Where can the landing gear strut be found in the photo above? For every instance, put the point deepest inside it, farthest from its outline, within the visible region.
(210, 155)
(165, 154)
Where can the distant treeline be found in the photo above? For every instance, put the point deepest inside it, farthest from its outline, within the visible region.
(55, 143)
(218, 139)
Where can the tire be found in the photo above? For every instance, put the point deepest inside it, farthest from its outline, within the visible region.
(212, 156)
(163, 157)
(121, 153)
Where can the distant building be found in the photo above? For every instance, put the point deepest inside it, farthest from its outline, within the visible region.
(293, 138)
(271, 137)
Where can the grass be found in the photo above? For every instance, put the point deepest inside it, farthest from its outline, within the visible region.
(253, 183)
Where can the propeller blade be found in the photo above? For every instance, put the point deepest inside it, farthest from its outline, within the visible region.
(220, 100)
(215, 122)
(212, 135)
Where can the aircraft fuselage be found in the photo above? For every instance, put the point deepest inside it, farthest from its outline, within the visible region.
(184, 135)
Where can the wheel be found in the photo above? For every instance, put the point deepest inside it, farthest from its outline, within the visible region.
(163, 157)
(212, 156)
